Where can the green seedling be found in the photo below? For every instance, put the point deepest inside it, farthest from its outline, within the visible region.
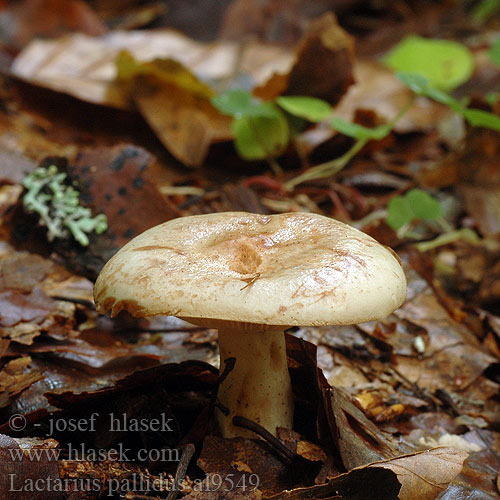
(263, 129)
(259, 127)
(415, 205)
(58, 206)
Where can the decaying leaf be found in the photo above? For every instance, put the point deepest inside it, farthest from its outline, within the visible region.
(15, 377)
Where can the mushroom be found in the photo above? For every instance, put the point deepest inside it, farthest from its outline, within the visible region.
(251, 276)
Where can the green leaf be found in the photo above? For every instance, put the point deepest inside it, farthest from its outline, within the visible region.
(494, 51)
(399, 212)
(309, 108)
(239, 103)
(260, 137)
(423, 205)
(415, 204)
(480, 118)
(444, 63)
(358, 131)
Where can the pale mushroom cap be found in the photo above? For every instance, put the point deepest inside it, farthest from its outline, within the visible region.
(287, 269)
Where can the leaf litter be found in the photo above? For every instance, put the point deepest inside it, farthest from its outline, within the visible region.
(405, 408)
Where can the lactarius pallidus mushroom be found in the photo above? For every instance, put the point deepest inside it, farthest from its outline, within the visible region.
(250, 277)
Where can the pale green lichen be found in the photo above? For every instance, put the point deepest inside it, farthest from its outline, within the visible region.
(58, 205)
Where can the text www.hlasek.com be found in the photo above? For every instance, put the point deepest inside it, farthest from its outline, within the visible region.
(21, 480)
(133, 482)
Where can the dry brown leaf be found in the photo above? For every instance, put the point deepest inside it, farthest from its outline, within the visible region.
(84, 66)
(186, 123)
(358, 440)
(424, 475)
(420, 476)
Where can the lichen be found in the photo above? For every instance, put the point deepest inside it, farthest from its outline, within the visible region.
(57, 203)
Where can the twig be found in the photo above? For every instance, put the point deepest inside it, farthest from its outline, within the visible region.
(275, 443)
(83, 302)
(180, 473)
(228, 368)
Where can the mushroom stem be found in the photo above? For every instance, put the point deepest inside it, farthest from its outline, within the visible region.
(259, 386)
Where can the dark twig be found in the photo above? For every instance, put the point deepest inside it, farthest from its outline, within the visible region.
(180, 473)
(221, 407)
(82, 302)
(228, 368)
(274, 442)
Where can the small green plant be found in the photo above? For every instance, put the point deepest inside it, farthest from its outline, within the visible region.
(263, 129)
(58, 206)
(415, 205)
(430, 68)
